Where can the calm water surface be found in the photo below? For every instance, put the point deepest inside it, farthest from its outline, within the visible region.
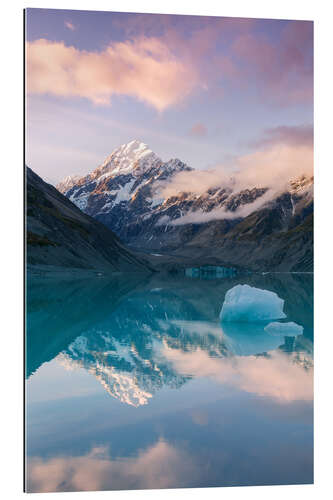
(134, 383)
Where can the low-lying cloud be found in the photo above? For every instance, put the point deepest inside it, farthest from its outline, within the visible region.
(143, 68)
(199, 217)
(283, 153)
(272, 166)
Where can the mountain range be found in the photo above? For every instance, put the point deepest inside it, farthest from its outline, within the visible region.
(125, 193)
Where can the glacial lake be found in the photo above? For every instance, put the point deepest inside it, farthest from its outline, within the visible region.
(135, 383)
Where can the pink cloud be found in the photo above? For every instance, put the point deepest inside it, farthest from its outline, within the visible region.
(301, 135)
(165, 59)
(144, 68)
(281, 69)
(198, 130)
(70, 26)
(283, 153)
(195, 40)
(284, 70)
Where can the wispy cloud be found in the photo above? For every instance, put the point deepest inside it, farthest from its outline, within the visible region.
(279, 67)
(283, 69)
(198, 130)
(199, 217)
(144, 68)
(301, 135)
(70, 25)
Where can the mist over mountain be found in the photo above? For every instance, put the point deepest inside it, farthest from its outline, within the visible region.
(260, 218)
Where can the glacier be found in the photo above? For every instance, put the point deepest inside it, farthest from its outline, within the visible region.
(290, 329)
(244, 303)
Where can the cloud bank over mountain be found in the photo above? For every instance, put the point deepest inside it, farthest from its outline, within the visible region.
(283, 153)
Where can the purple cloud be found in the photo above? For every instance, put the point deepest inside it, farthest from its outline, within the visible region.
(301, 135)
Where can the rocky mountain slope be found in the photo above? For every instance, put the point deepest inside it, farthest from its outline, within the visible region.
(278, 236)
(125, 194)
(60, 236)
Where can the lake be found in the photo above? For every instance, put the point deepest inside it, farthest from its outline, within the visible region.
(135, 383)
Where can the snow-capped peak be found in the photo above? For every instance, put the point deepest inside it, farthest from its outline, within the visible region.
(128, 157)
(67, 183)
(134, 158)
(132, 150)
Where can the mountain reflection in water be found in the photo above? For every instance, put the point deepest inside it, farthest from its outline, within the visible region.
(125, 374)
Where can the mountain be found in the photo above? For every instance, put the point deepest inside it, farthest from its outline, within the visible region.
(124, 193)
(60, 236)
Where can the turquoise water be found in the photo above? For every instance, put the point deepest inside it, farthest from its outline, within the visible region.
(134, 383)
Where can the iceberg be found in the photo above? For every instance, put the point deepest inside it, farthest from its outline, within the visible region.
(290, 329)
(245, 304)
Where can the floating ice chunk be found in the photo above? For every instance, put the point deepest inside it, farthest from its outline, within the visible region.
(290, 329)
(244, 303)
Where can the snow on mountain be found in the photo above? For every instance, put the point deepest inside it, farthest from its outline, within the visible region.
(126, 184)
(67, 183)
(134, 157)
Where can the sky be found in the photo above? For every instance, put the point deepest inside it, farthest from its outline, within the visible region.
(214, 92)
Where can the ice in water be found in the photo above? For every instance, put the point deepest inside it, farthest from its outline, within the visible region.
(290, 329)
(244, 303)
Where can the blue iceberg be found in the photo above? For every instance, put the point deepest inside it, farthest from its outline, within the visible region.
(246, 304)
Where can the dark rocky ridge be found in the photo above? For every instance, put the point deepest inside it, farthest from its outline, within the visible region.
(60, 236)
